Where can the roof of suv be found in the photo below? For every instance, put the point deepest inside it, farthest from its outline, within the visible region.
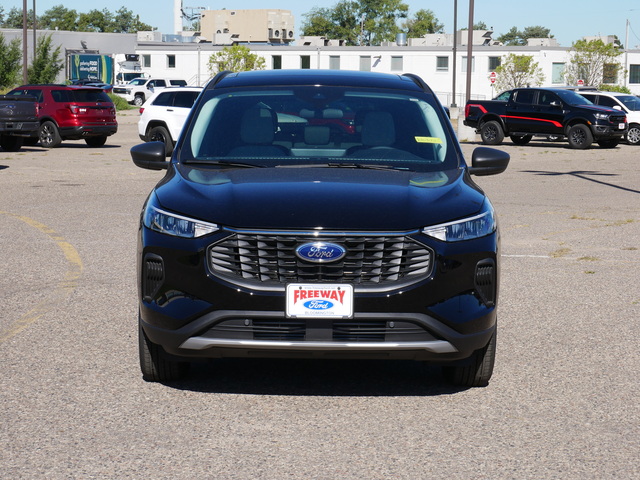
(319, 77)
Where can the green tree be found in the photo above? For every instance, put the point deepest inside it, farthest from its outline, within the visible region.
(520, 37)
(236, 58)
(10, 62)
(594, 62)
(358, 22)
(47, 62)
(13, 19)
(95, 21)
(518, 71)
(422, 23)
(125, 21)
(59, 18)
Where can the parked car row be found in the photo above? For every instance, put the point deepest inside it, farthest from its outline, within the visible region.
(582, 117)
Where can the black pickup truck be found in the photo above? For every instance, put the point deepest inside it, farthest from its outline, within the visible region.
(549, 112)
(18, 119)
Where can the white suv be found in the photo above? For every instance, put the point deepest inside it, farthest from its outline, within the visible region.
(164, 114)
(629, 104)
(138, 90)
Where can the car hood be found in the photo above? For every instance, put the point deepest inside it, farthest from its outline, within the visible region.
(310, 198)
(602, 109)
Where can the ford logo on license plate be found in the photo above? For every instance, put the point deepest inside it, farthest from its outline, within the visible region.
(320, 252)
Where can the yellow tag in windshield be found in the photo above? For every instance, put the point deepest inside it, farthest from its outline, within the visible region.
(428, 140)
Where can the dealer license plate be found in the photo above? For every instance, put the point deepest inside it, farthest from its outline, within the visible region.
(319, 300)
(621, 126)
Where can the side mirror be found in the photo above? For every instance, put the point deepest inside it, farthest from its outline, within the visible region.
(150, 155)
(488, 161)
(617, 107)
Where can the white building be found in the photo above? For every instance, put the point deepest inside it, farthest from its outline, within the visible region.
(433, 63)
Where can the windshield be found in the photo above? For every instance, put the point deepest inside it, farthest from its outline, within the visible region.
(138, 81)
(573, 98)
(325, 126)
(631, 102)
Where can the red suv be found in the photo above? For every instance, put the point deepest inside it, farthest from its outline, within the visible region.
(72, 113)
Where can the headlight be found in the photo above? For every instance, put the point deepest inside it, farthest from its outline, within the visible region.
(176, 225)
(601, 116)
(466, 229)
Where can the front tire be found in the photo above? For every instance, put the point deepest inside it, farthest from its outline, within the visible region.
(633, 135)
(161, 134)
(155, 364)
(10, 143)
(49, 135)
(521, 139)
(478, 369)
(138, 100)
(491, 133)
(580, 136)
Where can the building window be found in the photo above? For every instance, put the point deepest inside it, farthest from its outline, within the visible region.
(171, 61)
(396, 64)
(634, 73)
(365, 63)
(276, 62)
(494, 62)
(610, 73)
(557, 73)
(146, 61)
(442, 64)
(464, 64)
(334, 62)
(305, 62)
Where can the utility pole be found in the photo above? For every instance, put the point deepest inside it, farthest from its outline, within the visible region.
(470, 50)
(455, 51)
(24, 41)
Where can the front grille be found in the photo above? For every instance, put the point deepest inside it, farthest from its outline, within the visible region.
(342, 331)
(375, 261)
(617, 119)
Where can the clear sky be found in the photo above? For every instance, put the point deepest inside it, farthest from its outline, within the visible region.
(568, 20)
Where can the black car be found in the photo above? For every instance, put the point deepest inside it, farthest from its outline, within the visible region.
(275, 234)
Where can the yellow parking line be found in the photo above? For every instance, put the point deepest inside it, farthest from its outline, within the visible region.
(64, 288)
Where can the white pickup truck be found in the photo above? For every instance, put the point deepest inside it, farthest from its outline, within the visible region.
(140, 89)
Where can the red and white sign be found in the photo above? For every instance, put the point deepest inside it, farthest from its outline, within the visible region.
(580, 83)
(492, 77)
(319, 300)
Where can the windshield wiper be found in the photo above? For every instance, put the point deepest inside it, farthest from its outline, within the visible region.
(225, 163)
(342, 165)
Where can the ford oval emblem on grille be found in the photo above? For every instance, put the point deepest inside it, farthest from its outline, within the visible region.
(320, 252)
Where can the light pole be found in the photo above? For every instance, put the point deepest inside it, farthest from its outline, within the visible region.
(24, 41)
(455, 50)
(469, 50)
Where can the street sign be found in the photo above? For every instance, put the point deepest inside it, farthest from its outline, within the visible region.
(492, 77)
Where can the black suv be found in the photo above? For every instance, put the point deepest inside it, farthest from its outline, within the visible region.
(276, 232)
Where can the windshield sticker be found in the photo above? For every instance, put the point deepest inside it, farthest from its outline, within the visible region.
(428, 140)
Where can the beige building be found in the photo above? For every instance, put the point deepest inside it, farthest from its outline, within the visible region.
(224, 27)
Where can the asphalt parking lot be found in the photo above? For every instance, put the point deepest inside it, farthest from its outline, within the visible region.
(563, 402)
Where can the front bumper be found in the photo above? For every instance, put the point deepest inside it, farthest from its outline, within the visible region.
(608, 130)
(190, 312)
